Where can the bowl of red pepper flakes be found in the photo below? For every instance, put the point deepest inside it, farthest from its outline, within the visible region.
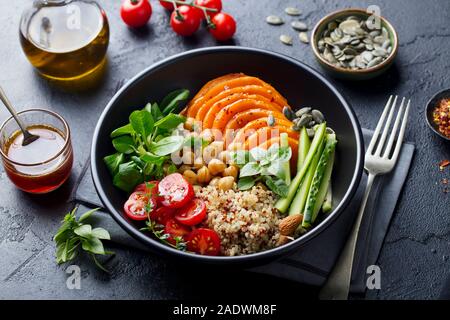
(438, 114)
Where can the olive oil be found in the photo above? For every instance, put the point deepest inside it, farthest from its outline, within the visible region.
(65, 39)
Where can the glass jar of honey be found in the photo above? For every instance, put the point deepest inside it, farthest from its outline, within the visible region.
(65, 39)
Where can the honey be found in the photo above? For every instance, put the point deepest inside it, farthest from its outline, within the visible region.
(65, 39)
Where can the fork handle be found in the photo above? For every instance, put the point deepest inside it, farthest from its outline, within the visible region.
(337, 285)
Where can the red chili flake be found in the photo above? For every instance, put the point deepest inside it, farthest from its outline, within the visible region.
(443, 164)
(441, 116)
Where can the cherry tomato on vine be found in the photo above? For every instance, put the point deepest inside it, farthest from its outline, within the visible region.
(212, 4)
(168, 5)
(185, 21)
(135, 13)
(223, 26)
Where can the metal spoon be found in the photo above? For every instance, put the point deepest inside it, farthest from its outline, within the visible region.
(27, 136)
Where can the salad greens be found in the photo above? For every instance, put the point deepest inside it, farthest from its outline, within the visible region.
(74, 233)
(144, 144)
(263, 165)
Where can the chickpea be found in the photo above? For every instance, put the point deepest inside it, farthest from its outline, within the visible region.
(225, 183)
(189, 124)
(218, 146)
(214, 181)
(198, 163)
(190, 176)
(209, 153)
(216, 166)
(183, 168)
(231, 171)
(224, 156)
(188, 157)
(203, 175)
(207, 135)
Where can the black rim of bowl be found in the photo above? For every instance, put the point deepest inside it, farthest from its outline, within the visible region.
(429, 108)
(250, 258)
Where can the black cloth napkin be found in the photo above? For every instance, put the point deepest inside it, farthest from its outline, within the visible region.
(311, 264)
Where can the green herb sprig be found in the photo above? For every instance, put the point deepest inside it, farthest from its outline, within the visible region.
(263, 165)
(158, 232)
(75, 234)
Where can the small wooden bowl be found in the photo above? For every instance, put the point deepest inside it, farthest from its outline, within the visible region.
(349, 74)
(431, 105)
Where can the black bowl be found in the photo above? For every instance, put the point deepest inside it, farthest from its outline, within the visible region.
(431, 105)
(300, 84)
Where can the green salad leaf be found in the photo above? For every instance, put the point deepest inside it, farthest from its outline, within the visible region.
(144, 144)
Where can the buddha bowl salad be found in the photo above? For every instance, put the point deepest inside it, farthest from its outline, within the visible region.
(235, 172)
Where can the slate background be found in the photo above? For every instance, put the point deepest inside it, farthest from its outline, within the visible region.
(415, 256)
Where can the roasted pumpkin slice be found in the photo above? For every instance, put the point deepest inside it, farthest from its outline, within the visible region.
(248, 90)
(228, 85)
(227, 113)
(193, 106)
(244, 117)
(213, 111)
(294, 148)
(263, 134)
(251, 127)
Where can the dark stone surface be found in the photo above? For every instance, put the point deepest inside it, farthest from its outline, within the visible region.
(414, 260)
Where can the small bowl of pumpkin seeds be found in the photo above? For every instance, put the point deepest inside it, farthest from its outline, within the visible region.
(354, 44)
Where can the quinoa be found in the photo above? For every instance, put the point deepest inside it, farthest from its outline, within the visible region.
(246, 221)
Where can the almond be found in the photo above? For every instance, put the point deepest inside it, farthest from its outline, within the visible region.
(289, 224)
(283, 240)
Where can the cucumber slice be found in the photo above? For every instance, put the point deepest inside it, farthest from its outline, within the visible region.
(328, 203)
(283, 204)
(284, 142)
(303, 147)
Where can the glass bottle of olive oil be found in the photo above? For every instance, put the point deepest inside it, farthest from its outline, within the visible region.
(65, 39)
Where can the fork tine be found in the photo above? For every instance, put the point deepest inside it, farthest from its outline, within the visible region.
(401, 134)
(388, 149)
(379, 126)
(386, 128)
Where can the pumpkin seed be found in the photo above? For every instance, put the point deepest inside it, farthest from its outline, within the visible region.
(311, 132)
(299, 26)
(303, 36)
(330, 131)
(292, 11)
(288, 113)
(317, 116)
(295, 128)
(287, 40)
(311, 124)
(304, 120)
(367, 56)
(374, 62)
(379, 52)
(303, 111)
(386, 44)
(274, 20)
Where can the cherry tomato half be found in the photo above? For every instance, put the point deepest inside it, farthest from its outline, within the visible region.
(135, 13)
(224, 26)
(193, 213)
(168, 5)
(175, 191)
(137, 205)
(186, 21)
(161, 215)
(175, 229)
(212, 4)
(204, 241)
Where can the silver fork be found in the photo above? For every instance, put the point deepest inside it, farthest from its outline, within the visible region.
(378, 161)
